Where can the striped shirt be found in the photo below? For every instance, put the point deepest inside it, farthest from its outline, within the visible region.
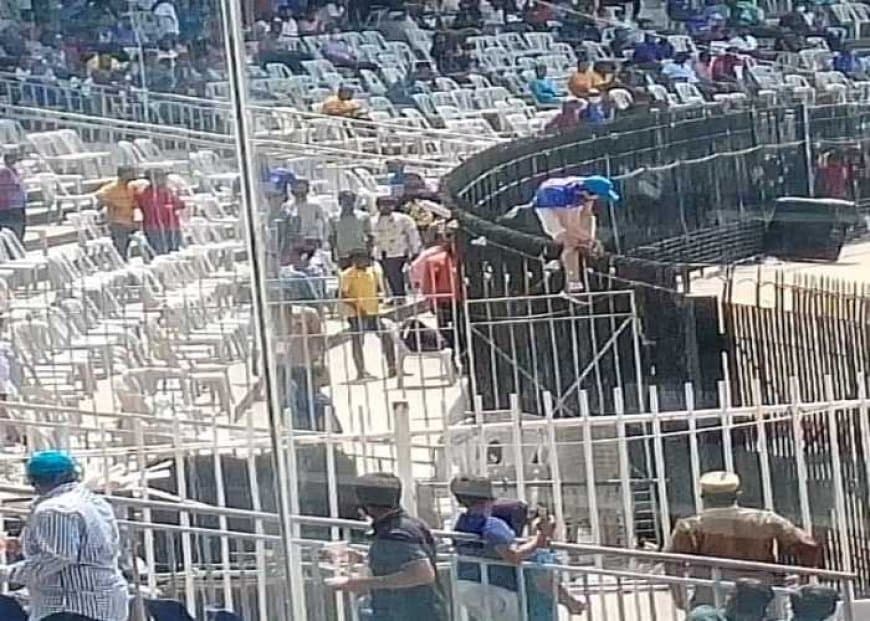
(71, 549)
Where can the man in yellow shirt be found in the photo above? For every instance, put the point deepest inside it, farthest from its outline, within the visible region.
(361, 290)
(585, 79)
(342, 104)
(119, 199)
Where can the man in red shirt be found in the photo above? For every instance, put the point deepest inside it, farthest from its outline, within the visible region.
(834, 177)
(160, 206)
(436, 274)
(724, 68)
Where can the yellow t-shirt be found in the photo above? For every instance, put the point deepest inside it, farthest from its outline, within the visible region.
(580, 84)
(334, 106)
(120, 201)
(361, 289)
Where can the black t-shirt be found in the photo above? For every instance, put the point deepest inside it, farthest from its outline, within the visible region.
(398, 540)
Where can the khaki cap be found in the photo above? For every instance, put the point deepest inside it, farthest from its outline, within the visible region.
(719, 482)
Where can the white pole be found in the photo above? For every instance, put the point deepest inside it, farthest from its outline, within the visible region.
(624, 468)
(725, 404)
(800, 458)
(483, 466)
(589, 461)
(222, 519)
(184, 518)
(555, 468)
(836, 462)
(763, 452)
(402, 435)
(256, 505)
(661, 471)
(517, 440)
(694, 456)
(148, 538)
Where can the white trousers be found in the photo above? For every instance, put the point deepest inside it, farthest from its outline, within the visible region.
(485, 601)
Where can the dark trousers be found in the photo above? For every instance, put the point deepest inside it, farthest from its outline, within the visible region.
(395, 275)
(14, 219)
(121, 237)
(67, 616)
(163, 241)
(359, 326)
(451, 324)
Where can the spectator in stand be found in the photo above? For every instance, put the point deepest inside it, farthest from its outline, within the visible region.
(160, 205)
(835, 177)
(272, 49)
(296, 282)
(361, 288)
(118, 197)
(289, 29)
(664, 49)
(538, 15)
(620, 42)
(749, 602)
(162, 77)
(704, 67)
(848, 63)
(744, 41)
(350, 231)
(404, 579)
(342, 104)
(681, 70)
(544, 90)
(647, 53)
(814, 603)
(568, 118)
(727, 67)
(401, 91)
(397, 241)
(339, 52)
(310, 23)
(71, 547)
(13, 196)
(469, 16)
(585, 79)
(167, 18)
(499, 598)
(598, 110)
(798, 20)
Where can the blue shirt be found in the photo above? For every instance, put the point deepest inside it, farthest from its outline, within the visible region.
(675, 71)
(645, 53)
(495, 533)
(544, 91)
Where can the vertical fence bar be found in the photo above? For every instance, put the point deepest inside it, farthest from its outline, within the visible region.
(555, 469)
(837, 464)
(222, 519)
(517, 441)
(659, 455)
(763, 452)
(726, 422)
(694, 456)
(589, 463)
(624, 468)
(799, 455)
(184, 518)
(402, 436)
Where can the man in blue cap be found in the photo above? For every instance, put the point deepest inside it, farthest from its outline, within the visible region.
(70, 547)
(566, 208)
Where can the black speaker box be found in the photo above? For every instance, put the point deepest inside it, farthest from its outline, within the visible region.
(808, 228)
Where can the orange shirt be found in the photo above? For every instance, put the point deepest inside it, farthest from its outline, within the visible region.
(334, 106)
(581, 82)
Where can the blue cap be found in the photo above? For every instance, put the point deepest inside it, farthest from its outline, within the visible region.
(47, 465)
(600, 186)
(279, 179)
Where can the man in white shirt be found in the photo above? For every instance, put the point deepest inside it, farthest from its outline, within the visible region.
(304, 219)
(397, 241)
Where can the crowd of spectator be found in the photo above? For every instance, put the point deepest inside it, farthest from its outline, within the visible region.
(622, 63)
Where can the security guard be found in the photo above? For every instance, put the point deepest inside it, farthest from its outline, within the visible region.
(725, 529)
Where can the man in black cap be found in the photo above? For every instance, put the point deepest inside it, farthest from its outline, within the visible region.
(403, 581)
(814, 603)
(749, 602)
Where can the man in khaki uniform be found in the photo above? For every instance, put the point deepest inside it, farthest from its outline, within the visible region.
(727, 530)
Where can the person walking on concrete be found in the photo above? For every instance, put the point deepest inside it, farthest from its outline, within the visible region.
(13, 196)
(350, 231)
(724, 529)
(397, 241)
(160, 205)
(70, 547)
(119, 199)
(361, 289)
(401, 560)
